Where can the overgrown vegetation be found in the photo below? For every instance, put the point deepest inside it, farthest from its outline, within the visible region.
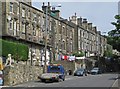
(19, 51)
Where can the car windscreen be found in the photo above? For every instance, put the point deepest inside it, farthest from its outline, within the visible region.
(95, 69)
(55, 69)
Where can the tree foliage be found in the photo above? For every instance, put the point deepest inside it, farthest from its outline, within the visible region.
(114, 35)
(78, 54)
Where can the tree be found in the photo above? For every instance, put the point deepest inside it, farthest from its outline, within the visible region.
(114, 35)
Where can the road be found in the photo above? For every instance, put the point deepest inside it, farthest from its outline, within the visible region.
(101, 80)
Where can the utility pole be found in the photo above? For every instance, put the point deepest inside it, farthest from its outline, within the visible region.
(46, 29)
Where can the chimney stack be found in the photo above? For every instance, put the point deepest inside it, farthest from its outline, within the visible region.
(79, 21)
(85, 24)
(48, 4)
(99, 32)
(74, 19)
(43, 4)
(44, 7)
(94, 29)
(90, 26)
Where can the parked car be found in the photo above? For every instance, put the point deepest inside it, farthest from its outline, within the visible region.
(96, 70)
(55, 72)
(80, 72)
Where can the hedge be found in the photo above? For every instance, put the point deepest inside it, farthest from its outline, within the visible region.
(18, 50)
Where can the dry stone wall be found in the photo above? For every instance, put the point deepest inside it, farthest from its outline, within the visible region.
(20, 73)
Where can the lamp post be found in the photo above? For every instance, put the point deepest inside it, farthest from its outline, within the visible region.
(46, 29)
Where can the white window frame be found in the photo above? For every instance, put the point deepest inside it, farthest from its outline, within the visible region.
(23, 28)
(23, 12)
(18, 10)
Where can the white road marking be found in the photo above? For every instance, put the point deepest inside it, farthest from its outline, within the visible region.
(115, 83)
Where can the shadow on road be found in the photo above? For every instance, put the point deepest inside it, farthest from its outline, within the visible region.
(113, 78)
(46, 82)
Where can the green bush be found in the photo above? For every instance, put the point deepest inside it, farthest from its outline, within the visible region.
(19, 51)
(78, 54)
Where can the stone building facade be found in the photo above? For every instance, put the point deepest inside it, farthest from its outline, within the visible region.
(26, 24)
(90, 41)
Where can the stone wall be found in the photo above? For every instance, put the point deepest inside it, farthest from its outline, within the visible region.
(21, 73)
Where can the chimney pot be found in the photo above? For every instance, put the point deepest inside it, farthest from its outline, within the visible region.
(53, 8)
(48, 3)
(84, 20)
(43, 4)
(75, 13)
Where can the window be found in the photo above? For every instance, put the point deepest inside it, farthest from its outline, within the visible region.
(54, 69)
(28, 14)
(23, 12)
(39, 18)
(64, 30)
(34, 17)
(50, 25)
(34, 33)
(18, 10)
(18, 25)
(71, 47)
(11, 24)
(15, 27)
(23, 28)
(11, 7)
(63, 45)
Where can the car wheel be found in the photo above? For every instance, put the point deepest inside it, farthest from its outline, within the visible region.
(43, 80)
(63, 79)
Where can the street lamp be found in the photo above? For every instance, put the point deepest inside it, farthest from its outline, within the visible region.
(46, 29)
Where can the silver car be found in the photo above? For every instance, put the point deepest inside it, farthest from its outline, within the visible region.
(96, 70)
(80, 72)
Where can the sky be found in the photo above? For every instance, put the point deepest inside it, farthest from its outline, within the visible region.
(101, 14)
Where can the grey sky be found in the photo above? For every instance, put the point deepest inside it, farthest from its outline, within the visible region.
(101, 14)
